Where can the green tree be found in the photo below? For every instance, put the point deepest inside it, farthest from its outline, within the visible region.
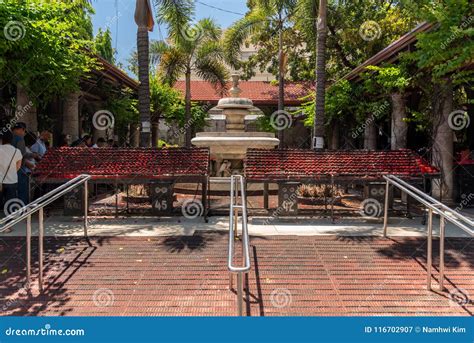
(103, 45)
(265, 20)
(195, 49)
(445, 54)
(44, 50)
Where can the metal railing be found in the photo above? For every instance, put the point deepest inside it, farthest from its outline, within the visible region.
(434, 207)
(38, 205)
(235, 208)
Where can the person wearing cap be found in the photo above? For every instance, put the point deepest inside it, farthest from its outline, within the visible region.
(10, 163)
(18, 141)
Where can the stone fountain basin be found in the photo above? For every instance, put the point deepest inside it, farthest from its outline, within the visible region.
(234, 145)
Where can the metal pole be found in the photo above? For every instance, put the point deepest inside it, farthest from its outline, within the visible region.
(236, 227)
(236, 211)
(429, 253)
(333, 199)
(40, 247)
(231, 224)
(28, 251)
(265, 195)
(442, 225)
(240, 293)
(385, 210)
(116, 199)
(86, 207)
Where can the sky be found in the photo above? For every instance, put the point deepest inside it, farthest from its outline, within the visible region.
(118, 16)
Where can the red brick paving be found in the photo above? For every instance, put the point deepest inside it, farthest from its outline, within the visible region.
(320, 275)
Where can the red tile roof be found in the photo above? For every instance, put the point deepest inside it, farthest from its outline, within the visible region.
(300, 164)
(121, 163)
(260, 92)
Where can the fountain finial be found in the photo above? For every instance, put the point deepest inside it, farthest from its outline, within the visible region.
(235, 90)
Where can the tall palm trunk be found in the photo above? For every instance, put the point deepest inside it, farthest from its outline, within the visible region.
(187, 109)
(281, 83)
(144, 87)
(319, 117)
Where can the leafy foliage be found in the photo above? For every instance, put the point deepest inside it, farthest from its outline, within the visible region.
(103, 45)
(339, 100)
(447, 51)
(50, 55)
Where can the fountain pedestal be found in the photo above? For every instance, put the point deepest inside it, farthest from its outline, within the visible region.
(228, 149)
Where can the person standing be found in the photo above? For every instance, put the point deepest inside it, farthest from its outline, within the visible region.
(18, 141)
(10, 164)
(40, 146)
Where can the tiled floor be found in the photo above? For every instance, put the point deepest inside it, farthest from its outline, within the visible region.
(290, 275)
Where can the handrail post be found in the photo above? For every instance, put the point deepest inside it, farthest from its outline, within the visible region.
(429, 252)
(40, 247)
(86, 207)
(442, 226)
(385, 210)
(240, 294)
(28, 251)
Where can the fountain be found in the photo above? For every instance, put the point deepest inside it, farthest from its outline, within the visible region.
(228, 149)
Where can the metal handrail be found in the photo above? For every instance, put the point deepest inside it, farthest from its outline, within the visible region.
(37, 201)
(436, 207)
(233, 222)
(435, 202)
(38, 205)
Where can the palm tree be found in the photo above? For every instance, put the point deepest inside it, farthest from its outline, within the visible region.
(319, 117)
(145, 23)
(175, 13)
(264, 14)
(196, 48)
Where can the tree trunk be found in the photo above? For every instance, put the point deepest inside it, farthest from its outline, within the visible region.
(25, 110)
(470, 113)
(399, 126)
(281, 85)
(335, 136)
(134, 135)
(144, 87)
(443, 139)
(71, 116)
(188, 135)
(370, 136)
(319, 116)
(155, 131)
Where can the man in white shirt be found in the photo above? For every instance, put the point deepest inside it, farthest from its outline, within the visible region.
(10, 163)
